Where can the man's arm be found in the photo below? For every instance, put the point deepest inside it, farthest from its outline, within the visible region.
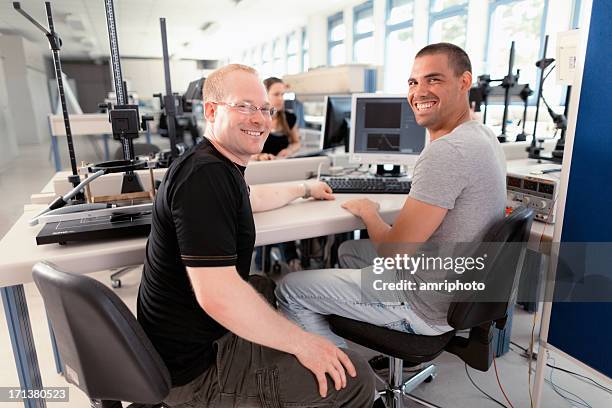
(266, 197)
(234, 304)
(416, 222)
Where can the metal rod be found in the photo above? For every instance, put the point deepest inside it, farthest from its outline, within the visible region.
(114, 50)
(120, 87)
(169, 103)
(541, 79)
(509, 84)
(17, 6)
(60, 88)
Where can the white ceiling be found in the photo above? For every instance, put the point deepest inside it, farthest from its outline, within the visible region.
(236, 27)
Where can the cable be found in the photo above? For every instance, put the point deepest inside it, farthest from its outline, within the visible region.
(556, 389)
(593, 382)
(530, 359)
(480, 389)
(319, 171)
(500, 385)
(519, 346)
(548, 73)
(59, 202)
(583, 378)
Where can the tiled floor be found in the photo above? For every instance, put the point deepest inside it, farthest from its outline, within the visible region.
(451, 388)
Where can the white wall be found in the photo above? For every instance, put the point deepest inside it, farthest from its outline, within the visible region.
(26, 87)
(8, 139)
(146, 76)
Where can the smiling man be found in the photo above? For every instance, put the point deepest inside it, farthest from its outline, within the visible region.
(223, 344)
(458, 191)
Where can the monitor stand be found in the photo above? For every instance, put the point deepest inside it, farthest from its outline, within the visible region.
(395, 171)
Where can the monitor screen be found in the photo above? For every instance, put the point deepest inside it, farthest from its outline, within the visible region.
(337, 122)
(384, 130)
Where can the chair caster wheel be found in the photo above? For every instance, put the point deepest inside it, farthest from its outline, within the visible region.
(429, 379)
(116, 283)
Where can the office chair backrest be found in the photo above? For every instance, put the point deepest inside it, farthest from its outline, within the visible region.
(504, 244)
(103, 349)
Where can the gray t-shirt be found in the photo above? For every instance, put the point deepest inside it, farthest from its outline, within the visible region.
(464, 172)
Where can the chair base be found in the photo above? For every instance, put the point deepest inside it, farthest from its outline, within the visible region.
(397, 388)
(115, 281)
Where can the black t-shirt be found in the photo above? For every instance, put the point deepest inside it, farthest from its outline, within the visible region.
(278, 141)
(201, 217)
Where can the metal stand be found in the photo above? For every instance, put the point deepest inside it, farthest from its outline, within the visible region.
(508, 82)
(24, 350)
(55, 43)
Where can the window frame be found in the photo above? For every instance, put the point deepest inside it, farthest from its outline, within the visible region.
(452, 11)
(493, 4)
(304, 51)
(391, 28)
(364, 7)
(332, 43)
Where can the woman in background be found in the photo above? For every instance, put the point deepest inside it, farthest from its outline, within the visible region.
(284, 139)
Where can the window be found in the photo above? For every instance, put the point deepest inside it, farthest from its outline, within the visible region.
(399, 50)
(448, 21)
(363, 33)
(336, 33)
(293, 66)
(523, 22)
(278, 65)
(256, 58)
(305, 54)
(266, 60)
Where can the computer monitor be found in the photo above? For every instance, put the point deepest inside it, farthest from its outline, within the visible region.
(294, 105)
(384, 131)
(193, 93)
(337, 122)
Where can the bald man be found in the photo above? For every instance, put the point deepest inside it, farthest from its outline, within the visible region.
(223, 344)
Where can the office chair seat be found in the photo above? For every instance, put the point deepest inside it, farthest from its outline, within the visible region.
(406, 346)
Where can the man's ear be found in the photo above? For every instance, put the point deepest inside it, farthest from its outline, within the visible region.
(210, 109)
(466, 81)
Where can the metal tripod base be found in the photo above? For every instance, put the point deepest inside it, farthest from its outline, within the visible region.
(397, 388)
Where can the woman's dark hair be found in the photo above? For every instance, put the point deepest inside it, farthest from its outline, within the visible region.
(280, 115)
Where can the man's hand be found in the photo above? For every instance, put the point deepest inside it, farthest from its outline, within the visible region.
(321, 356)
(283, 153)
(320, 191)
(361, 206)
(263, 157)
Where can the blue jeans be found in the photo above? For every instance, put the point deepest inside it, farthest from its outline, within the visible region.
(307, 297)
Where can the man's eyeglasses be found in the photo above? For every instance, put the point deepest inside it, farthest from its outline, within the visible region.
(249, 109)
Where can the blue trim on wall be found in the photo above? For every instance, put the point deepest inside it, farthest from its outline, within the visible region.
(584, 330)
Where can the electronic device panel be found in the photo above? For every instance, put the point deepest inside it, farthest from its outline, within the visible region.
(537, 192)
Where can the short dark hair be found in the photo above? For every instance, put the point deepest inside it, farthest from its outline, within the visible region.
(457, 58)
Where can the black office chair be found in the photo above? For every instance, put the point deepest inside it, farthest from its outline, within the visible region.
(103, 349)
(466, 312)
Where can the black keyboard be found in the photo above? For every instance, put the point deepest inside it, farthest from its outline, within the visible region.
(373, 185)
